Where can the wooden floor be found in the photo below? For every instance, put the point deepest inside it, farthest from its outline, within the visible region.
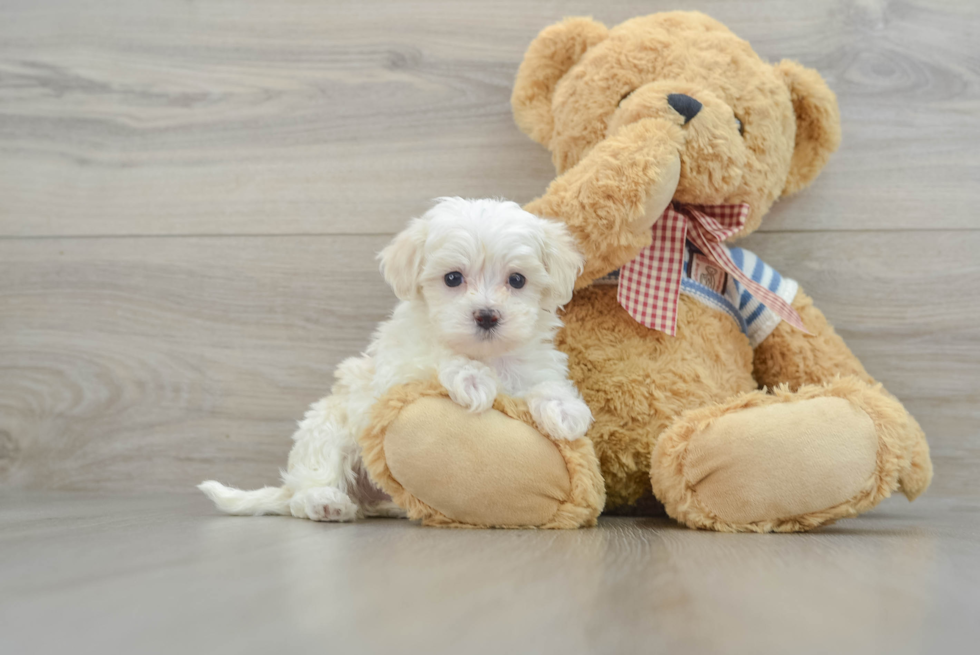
(165, 574)
(191, 195)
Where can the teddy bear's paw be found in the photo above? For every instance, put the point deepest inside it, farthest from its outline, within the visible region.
(470, 385)
(560, 413)
(915, 478)
(323, 504)
(385, 509)
(785, 462)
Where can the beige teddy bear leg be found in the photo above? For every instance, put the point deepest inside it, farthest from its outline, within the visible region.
(452, 468)
(789, 461)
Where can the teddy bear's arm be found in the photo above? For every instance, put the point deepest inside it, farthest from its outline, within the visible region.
(792, 357)
(611, 198)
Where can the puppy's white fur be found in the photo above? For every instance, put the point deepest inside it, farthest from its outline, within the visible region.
(434, 330)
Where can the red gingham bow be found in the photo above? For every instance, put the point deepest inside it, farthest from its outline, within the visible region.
(650, 284)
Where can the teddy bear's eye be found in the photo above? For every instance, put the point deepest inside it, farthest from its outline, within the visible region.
(741, 128)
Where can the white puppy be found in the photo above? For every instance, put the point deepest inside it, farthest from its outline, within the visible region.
(480, 283)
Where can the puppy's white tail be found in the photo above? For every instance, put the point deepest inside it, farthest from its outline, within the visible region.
(267, 500)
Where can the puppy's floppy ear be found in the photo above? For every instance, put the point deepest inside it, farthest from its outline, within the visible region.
(817, 123)
(552, 53)
(563, 261)
(401, 261)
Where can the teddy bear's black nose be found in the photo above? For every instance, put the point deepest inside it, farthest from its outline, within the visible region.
(684, 105)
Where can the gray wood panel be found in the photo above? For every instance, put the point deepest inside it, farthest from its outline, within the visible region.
(143, 362)
(151, 117)
(191, 195)
(152, 363)
(169, 575)
(158, 355)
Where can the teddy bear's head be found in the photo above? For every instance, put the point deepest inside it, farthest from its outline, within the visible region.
(749, 131)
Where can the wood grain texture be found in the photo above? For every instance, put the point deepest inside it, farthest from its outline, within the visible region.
(144, 362)
(153, 363)
(191, 195)
(169, 575)
(136, 117)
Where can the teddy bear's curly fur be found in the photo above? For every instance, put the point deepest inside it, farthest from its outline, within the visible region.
(787, 436)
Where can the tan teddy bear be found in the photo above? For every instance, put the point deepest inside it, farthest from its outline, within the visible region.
(716, 384)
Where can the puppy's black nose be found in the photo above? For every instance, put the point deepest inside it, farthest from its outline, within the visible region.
(684, 105)
(486, 318)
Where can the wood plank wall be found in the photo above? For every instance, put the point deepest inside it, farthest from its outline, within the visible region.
(191, 195)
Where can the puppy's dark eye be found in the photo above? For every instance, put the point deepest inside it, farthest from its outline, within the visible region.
(453, 279)
(741, 128)
(516, 280)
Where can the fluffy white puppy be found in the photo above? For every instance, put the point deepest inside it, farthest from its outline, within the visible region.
(480, 282)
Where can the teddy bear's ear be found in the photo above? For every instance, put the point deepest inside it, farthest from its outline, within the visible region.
(817, 123)
(552, 53)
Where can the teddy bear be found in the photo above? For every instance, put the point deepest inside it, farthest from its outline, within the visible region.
(718, 388)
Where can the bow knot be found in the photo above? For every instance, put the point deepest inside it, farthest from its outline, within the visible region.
(649, 286)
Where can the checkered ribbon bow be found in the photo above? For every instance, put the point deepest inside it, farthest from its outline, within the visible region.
(649, 285)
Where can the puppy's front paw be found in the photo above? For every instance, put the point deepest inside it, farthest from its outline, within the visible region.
(561, 417)
(470, 385)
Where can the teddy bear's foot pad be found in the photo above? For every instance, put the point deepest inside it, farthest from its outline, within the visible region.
(785, 461)
(750, 466)
(484, 469)
(451, 467)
